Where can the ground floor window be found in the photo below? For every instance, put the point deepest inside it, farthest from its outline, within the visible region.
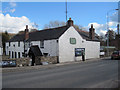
(15, 55)
(12, 54)
(9, 53)
(18, 54)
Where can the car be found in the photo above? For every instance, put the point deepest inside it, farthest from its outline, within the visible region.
(115, 55)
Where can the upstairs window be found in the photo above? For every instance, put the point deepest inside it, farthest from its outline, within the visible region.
(42, 44)
(9, 44)
(72, 41)
(18, 44)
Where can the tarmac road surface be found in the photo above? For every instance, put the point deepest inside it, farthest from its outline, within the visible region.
(94, 74)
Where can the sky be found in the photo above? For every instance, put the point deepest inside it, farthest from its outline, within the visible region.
(15, 15)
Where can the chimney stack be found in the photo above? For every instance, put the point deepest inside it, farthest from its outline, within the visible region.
(26, 33)
(92, 32)
(70, 22)
(118, 29)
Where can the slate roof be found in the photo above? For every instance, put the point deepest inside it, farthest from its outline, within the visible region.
(85, 35)
(48, 34)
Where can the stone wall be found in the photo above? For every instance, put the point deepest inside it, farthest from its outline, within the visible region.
(23, 61)
(19, 61)
(38, 60)
(50, 59)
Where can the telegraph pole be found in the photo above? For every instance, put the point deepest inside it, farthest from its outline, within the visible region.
(66, 11)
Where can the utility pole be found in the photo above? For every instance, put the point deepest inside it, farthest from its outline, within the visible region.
(66, 11)
(118, 29)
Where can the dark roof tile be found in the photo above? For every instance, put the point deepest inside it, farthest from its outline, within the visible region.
(48, 34)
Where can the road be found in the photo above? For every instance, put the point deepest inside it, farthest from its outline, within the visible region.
(94, 74)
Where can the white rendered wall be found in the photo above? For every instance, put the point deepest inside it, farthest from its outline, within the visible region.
(14, 49)
(92, 49)
(50, 47)
(1, 51)
(67, 50)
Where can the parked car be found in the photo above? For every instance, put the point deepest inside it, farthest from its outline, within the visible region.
(115, 55)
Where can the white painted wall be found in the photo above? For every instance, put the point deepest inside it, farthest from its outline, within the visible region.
(67, 50)
(50, 47)
(1, 50)
(92, 49)
(14, 49)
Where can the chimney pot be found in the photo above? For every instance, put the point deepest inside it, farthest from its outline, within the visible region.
(26, 33)
(26, 26)
(70, 22)
(91, 25)
(92, 32)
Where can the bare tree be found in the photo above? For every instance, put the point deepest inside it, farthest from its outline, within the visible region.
(53, 24)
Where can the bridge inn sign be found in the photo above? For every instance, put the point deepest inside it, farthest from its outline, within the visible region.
(66, 42)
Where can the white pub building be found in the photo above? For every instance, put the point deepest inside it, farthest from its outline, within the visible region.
(65, 42)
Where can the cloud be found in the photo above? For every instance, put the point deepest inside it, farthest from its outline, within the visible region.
(14, 24)
(12, 4)
(102, 32)
(114, 17)
(102, 28)
(10, 8)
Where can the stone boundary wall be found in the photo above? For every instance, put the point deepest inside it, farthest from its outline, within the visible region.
(20, 61)
(23, 62)
(38, 60)
(50, 59)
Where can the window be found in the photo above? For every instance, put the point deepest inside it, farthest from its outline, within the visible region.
(12, 54)
(9, 44)
(15, 55)
(13, 45)
(9, 53)
(72, 41)
(18, 54)
(18, 44)
(42, 44)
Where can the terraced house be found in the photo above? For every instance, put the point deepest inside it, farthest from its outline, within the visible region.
(65, 42)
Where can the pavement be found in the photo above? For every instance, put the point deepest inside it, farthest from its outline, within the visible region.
(26, 68)
(99, 73)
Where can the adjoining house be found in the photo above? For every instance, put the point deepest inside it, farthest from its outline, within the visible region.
(1, 47)
(65, 42)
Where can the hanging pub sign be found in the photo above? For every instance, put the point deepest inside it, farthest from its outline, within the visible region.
(79, 51)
